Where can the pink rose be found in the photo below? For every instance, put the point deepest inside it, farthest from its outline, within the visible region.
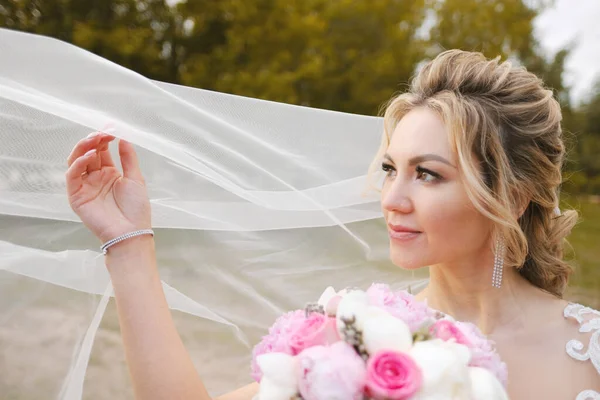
(392, 375)
(316, 330)
(447, 331)
(400, 304)
(333, 372)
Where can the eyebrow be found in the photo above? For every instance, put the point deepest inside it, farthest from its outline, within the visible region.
(422, 158)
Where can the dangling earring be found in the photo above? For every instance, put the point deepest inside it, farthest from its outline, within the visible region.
(498, 264)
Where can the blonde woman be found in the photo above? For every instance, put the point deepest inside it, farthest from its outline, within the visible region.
(472, 156)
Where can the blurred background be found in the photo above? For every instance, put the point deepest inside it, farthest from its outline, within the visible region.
(351, 56)
(343, 55)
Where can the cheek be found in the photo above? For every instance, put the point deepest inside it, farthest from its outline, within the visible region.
(454, 228)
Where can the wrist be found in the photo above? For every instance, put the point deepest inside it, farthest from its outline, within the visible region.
(131, 247)
(131, 264)
(124, 237)
(118, 229)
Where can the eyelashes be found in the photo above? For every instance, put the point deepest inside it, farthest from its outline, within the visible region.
(387, 167)
(422, 174)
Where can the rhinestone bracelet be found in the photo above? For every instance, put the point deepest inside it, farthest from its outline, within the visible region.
(126, 236)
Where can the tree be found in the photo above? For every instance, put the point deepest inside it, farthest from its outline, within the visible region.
(345, 55)
(131, 33)
(493, 27)
(591, 109)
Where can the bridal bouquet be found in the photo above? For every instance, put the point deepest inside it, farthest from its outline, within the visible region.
(378, 344)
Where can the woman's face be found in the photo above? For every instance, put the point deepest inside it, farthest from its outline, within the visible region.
(430, 218)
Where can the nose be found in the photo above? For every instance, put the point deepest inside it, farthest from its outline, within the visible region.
(395, 198)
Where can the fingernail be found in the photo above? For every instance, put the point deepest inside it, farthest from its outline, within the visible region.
(89, 153)
(93, 134)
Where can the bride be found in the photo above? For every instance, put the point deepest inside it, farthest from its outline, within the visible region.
(472, 156)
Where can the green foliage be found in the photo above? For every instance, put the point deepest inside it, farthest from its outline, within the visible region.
(582, 126)
(345, 55)
(591, 112)
(493, 27)
(585, 283)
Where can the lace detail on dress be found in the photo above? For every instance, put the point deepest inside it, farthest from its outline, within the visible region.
(589, 321)
(588, 395)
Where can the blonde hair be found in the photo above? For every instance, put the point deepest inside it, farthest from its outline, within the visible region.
(504, 127)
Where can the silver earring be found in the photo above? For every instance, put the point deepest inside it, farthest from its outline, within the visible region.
(498, 264)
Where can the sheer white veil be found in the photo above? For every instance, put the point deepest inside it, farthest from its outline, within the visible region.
(257, 206)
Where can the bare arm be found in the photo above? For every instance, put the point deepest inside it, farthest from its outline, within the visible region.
(111, 204)
(245, 393)
(158, 362)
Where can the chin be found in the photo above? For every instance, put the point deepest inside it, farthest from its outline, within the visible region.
(405, 261)
(408, 259)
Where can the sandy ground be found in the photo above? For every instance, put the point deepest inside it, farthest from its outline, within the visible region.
(38, 344)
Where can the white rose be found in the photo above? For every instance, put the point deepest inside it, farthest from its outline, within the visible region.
(344, 292)
(445, 369)
(353, 305)
(355, 295)
(279, 380)
(382, 331)
(327, 295)
(485, 386)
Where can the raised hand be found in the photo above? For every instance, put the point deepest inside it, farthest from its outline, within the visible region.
(108, 203)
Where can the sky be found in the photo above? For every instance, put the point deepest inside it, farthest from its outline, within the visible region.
(576, 21)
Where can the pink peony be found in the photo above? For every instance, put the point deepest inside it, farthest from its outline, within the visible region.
(483, 353)
(447, 331)
(392, 375)
(278, 339)
(333, 372)
(400, 304)
(316, 330)
(293, 332)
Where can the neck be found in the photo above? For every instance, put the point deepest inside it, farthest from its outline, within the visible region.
(465, 292)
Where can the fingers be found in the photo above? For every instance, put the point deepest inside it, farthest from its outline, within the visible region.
(103, 149)
(92, 153)
(105, 157)
(96, 163)
(78, 167)
(129, 162)
(93, 141)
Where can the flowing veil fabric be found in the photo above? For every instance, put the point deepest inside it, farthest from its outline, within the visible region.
(257, 206)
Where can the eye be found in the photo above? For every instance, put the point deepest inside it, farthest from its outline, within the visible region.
(389, 169)
(426, 175)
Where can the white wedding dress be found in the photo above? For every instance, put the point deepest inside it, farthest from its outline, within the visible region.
(588, 320)
(257, 207)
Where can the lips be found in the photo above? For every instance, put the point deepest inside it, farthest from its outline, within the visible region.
(403, 233)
